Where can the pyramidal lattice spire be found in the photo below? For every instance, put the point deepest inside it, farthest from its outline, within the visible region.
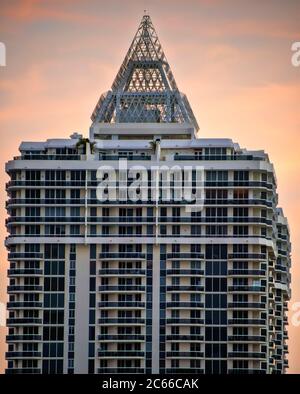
(144, 89)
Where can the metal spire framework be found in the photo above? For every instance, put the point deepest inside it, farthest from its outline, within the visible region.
(144, 89)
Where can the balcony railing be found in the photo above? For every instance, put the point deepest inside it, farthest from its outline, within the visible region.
(122, 255)
(115, 354)
(238, 201)
(247, 371)
(181, 371)
(185, 338)
(246, 272)
(23, 355)
(121, 304)
(182, 355)
(22, 371)
(24, 272)
(179, 321)
(121, 337)
(179, 255)
(187, 288)
(184, 305)
(23, 338)
(247, 322)
(129, 157)
(245, 288)
(138, 219)
(26, 288)
(122, 288)
(122, 271)
(248, 256)
(185, 271)
(122, 320)
(79, 201)
(20, 321)
(218, 157)
(49, 156)
(247, 338)
(247, 355)
(24, 305)
(246, 305)
(120, 370)
(24, 255)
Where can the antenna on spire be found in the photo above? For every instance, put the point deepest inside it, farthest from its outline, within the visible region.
(144, 89)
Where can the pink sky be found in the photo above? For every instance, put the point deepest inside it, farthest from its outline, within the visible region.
(231, 57)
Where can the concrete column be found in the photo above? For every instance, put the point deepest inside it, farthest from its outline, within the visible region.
(155, 308)
(81, 345)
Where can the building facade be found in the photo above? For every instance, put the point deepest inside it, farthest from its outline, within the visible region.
(107, 278)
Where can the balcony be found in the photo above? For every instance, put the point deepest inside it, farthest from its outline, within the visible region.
(184, 321)
(129, 157)
(197, 371)
(24, 289)
(47, 201)
(216, 219)
(184, 355)
(116, 354)
(22, 371)
(121, 337)
(247, 322)
(122, 288)
(185, 338)
(24, 255)
(246, 338)
(183, 256)
(121, 320)
(24, 272)
(24, 321)
(122, 255)
(238, 201)
(48, 156)
(245, 288)
(24, 305)
(23, 355)
(23, 338)
(246, 272)
(247, 256)
(122, 271)
(79, 219)
(250, 184)
(246, 371)
(218, 157)
(184, 305)
(281, 268)
(246, 305)
(120, 370)
(185, 288)
(184, 271)
(121, 304)
(255, 355)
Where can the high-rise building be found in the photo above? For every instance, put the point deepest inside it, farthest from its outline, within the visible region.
(119, 265)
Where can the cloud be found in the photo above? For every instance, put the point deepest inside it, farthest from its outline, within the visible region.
(36, 10)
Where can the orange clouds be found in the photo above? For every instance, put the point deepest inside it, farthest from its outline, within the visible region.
(35, 10)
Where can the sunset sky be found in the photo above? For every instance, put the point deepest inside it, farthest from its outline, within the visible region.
(231, 57)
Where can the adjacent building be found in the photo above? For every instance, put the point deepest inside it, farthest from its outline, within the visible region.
(145, 285)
